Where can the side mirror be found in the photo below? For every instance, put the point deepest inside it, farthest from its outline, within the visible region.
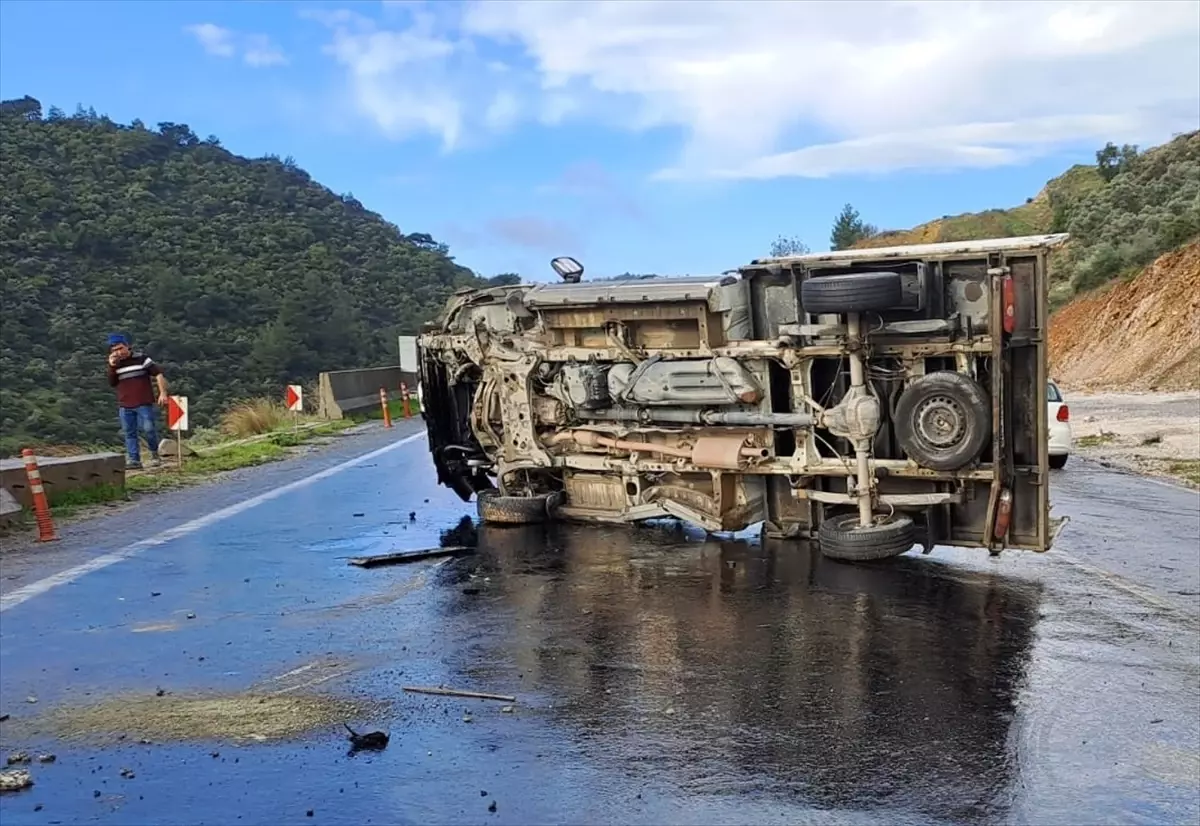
(568, 269)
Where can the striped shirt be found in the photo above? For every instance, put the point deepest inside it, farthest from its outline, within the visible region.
(131, 377)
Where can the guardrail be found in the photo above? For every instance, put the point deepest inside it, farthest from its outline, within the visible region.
(343, 392)
(63, 473)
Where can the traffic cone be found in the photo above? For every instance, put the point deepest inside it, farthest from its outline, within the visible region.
(41, 506)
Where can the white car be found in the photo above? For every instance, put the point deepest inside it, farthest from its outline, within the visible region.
(1059, 416)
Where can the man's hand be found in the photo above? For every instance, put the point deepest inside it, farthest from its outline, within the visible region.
(161, 400)
(113, 358)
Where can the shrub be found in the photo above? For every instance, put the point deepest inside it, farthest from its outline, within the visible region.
(253, 417)
(1101, 265)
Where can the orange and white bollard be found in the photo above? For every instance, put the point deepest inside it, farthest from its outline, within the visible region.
(41, 506)
(383, 402)
(404, 396)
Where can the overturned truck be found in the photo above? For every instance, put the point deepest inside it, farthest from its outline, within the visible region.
(870, 400)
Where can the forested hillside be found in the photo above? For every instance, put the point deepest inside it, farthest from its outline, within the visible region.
(1121, 213)
(237, 275)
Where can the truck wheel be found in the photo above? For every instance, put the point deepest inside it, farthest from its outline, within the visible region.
(1058, 462)
(494, 509)
(842, 538)
(851, 293)
(943, 420)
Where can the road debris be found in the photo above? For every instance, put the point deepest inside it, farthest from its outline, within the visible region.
(406, 556)
(256, 717)
(13, 780)
(47, 758)
(492, 806)
(18, 758)
(507, 709)
(31, 699)
(371, 741)
(458, 692)
(127, 774)
(3, 717)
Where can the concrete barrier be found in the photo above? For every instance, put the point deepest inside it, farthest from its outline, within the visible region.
(63, 473)
(343, 392)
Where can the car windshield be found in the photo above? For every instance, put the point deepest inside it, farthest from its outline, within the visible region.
(1052, 394)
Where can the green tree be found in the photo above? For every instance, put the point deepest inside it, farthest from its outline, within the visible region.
(849, 229)
(1112, 160)
(238, 275)
(504, 279)
(785, 246)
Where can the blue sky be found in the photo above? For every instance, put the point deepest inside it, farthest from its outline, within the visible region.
(667, 137)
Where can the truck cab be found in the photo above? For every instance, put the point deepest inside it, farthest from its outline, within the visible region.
(869, 400)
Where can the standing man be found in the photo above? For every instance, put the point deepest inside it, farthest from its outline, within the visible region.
(130, 373)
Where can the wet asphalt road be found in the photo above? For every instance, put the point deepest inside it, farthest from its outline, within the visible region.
(661, 677)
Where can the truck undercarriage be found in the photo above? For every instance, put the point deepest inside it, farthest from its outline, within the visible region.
(869, 399)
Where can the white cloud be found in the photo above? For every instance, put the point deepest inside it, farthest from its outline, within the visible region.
(254, 49)
(502, 112)
(876, 86)
(258, 50)
(214, 39)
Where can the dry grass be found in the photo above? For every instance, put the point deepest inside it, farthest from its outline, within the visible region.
(254, 417)
(231, 717)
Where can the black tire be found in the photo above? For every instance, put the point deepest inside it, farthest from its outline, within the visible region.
(943, 420)
(1058, 462)
(858, 292)
(494, 509)
(843, 539)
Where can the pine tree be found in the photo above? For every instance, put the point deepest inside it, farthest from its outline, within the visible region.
(849, 229)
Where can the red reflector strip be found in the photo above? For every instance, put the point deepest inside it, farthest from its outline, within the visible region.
(1009, 296)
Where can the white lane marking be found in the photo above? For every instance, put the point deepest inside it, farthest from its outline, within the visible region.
(34, 589)
(313, 682)
(294, 672)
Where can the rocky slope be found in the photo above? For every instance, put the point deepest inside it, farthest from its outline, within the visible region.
(1140, 334)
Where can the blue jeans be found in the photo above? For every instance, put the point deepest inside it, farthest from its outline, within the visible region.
(131, 419)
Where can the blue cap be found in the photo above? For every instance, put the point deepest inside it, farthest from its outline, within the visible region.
(117, 338)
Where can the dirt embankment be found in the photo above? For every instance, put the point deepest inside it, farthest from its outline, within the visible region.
(1142, 334)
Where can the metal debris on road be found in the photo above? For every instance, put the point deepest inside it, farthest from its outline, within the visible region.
(13, 780)
(406, 556)
(18, 757)
(372, 740)
(47, 758)
(459, 692)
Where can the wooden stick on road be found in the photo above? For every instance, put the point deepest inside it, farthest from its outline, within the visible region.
(407, 556)
(458, 692)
